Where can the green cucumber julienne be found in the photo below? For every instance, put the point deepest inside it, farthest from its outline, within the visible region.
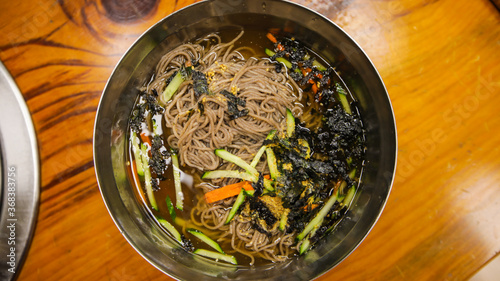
(200, 235)
(179, 196)
(216, 256)
(227, 174)
(171, 229)
(284, 220)
(304, 246)
(224, 154)
(287, 63)
(235, 174)
(261, 151)
(290, 123)
(343, 98)
(136, 150)
(306, 243)
(272, 163)
(347, 198)
(318, 219)
(170, 208)
(174, 84)
(350, 195)
(239, 200)
(249, 192)
(147, 177)
(269, 52)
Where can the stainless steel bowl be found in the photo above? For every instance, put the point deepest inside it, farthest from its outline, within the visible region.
(135, 68)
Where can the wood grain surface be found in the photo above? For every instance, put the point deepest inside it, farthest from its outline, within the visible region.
(440, 61)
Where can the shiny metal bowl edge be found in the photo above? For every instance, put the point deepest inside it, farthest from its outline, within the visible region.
(318, 33)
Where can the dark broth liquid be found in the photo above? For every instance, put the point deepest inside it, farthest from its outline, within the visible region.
(190, 177)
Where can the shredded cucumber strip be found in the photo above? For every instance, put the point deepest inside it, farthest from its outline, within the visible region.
(272, 163)
(343, 98)
(318, 219)
(147, 177)
(239, 200)
(261, 151)
(350, 195)
(290, 123)
(179, 196)
(207, 240)
(136, 150)
(224, 154)
(172, 87)
(171, 229)
(227, 174)
(216, 256)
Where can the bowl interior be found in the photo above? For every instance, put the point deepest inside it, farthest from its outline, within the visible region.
(315, 31)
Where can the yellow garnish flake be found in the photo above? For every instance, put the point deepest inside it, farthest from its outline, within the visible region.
(287, 166)
(210, 76)
(234, 90)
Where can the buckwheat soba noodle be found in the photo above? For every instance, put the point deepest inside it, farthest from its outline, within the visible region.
(245, 154)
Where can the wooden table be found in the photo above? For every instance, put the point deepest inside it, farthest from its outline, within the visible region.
(440, 61)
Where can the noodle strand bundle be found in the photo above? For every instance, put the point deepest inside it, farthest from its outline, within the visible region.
(199, 124)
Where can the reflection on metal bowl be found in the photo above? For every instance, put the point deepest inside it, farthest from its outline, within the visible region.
(319, 34)
(19, 177)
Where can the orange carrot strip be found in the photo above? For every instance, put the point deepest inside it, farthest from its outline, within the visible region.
(227, 191)
(306, 71)
(134, 173)
(271, 37)
(314, 88)
(280, 47)
(274, 30)
(145, 139)
(313, 206)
